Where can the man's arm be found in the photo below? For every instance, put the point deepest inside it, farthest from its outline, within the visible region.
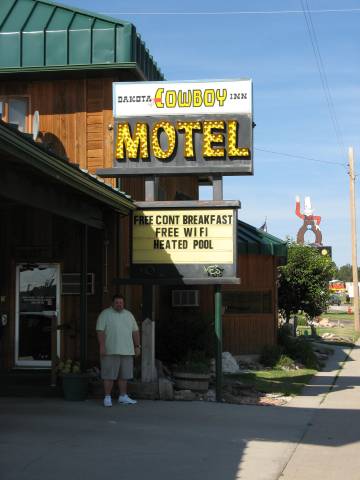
(297, 208)
(101, 340)
(136, 340)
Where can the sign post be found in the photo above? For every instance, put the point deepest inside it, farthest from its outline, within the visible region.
(201, 129)
(218, 340)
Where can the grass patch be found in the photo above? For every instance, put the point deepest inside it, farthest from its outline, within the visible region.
(287, 382)
(333, 316)
(347, 333)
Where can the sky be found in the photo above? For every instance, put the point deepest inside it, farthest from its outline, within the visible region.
(299, 110)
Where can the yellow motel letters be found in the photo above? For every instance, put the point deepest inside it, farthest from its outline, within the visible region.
(219, 139)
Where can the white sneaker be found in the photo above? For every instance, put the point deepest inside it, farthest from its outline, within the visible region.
(126, 400)
(107, 401)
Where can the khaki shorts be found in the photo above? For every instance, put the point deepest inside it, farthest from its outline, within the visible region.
(114, 367)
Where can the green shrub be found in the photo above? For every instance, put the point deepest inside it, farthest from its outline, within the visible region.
(303, 352)
(299, 349)
(270, 355)
(301, 321)
(182, 334)
(285, 362)
(284, 336)
(194, 362)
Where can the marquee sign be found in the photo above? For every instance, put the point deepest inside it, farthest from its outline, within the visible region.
(185, 242)
(146, 99)
(165, 128)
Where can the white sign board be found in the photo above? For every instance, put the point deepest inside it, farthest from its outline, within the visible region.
(139, 99)
(350, 288)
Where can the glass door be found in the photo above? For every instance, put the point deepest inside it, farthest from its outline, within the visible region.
(37, 302)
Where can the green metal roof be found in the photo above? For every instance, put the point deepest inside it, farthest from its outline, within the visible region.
(39, 35)
(251, 240)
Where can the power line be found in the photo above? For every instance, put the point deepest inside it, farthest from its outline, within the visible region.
(302, 157)
(323, 77)
(240, 12)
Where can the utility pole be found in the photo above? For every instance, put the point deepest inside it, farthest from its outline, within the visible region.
(353, 239)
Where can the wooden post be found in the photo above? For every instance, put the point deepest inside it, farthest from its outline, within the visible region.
(53, 349)
(354, 239)
(148, 370)
(218, 344)
(217, 182)
(83, 297)
(150, 188)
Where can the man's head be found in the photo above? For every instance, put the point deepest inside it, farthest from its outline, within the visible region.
(118, 302)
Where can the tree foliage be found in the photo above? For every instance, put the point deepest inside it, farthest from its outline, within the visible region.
(304, 280)
(344, 273)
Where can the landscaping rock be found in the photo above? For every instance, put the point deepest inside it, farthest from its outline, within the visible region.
(187, 395)
(238, 388)
(321, 356)
(247, 359)
(229, 364)
(166, 389)
(273, 399)
(249, 367)
(328, 335)
(144, 390)
(159, 368)
(332, 337)
(210, 396)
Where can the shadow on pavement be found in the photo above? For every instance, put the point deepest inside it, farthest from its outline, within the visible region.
(56, 440)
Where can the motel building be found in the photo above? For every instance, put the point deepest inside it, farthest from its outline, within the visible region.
(66, 227)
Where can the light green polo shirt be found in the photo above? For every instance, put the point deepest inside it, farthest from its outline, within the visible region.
(118, 328)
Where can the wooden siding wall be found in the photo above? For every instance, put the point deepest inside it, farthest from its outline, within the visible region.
(62, 108)
(27, 232)
(171, 187)
(242, 333)
(75, 117)
(249, 333)
(75, 121)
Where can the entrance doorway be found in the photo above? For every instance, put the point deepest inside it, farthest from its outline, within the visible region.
(37, 302)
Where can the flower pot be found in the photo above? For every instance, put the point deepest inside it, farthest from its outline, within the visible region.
(75, 386)
(199, 382)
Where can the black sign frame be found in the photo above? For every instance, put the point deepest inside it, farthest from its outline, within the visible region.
(187, 274)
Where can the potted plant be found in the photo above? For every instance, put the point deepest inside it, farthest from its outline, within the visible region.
(193, 373)
(75, 384)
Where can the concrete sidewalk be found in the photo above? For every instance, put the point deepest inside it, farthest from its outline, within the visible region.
(330, 446)
(54, 439)
(277, 457)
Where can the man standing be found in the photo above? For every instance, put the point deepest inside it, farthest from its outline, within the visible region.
(119, 341)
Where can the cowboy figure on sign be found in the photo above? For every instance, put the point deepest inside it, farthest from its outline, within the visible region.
(311, 221)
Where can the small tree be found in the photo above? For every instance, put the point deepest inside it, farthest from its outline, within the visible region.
(304, 282)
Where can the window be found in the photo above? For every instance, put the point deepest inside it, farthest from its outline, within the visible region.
(15, 110)
(185, 298)
(71, 284)
(247, 302)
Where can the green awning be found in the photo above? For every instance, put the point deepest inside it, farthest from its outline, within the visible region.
(251, 240)
(39, 35)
